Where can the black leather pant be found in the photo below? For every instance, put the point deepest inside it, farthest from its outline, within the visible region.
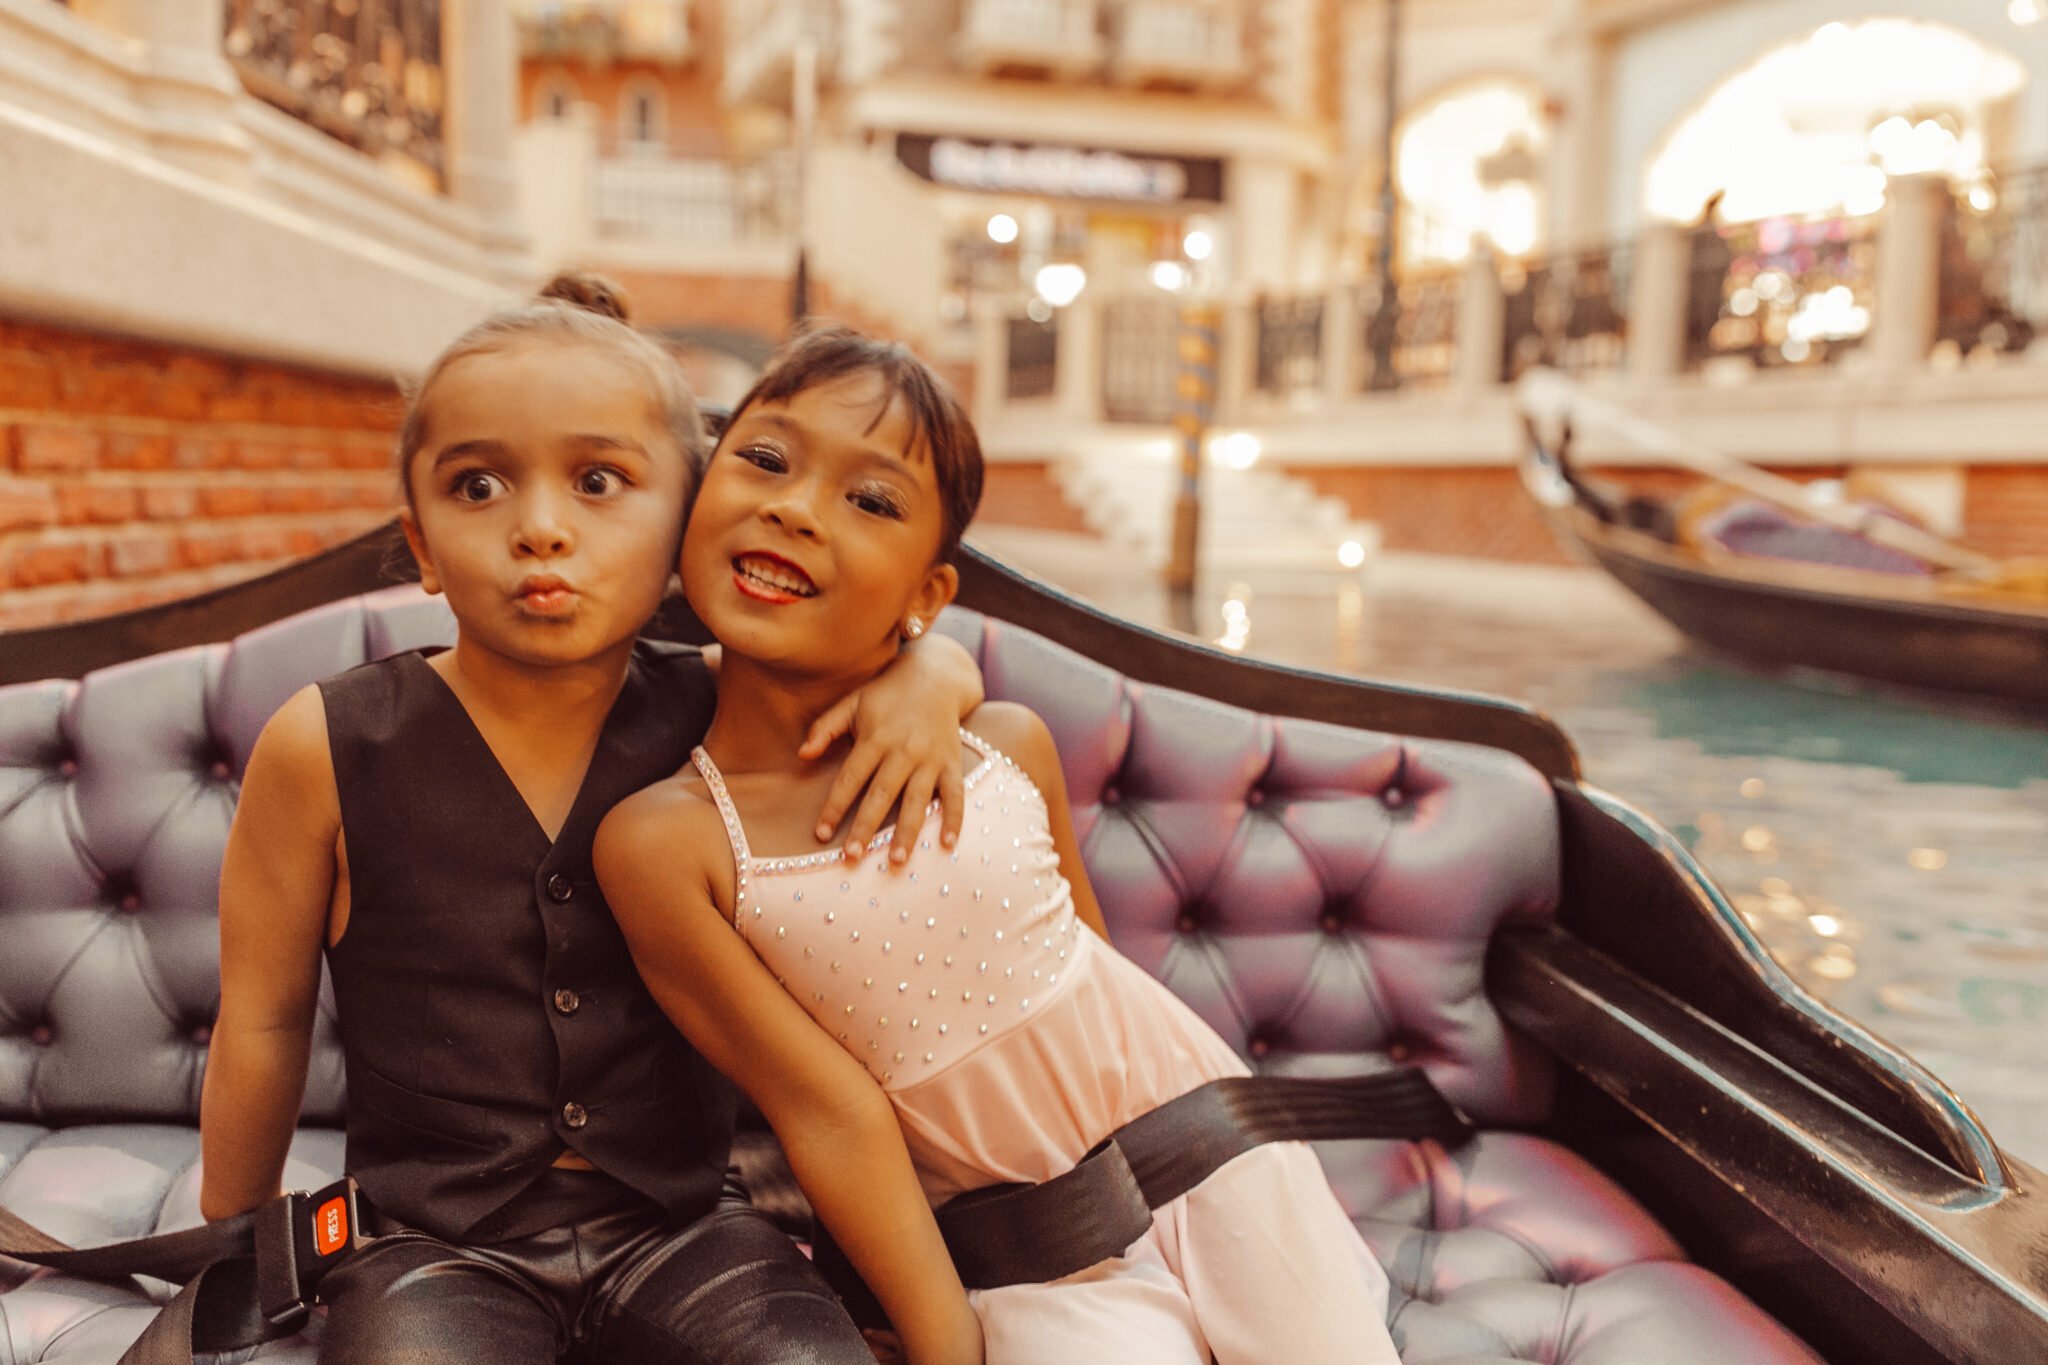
(621, 1287)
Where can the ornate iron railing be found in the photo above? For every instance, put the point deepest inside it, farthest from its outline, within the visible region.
(1290, 345)
(367, 72)
(1994, 264)
(1425, 349)
(1781, 291)
(1569, 312)
(1140, 365)
(1033, 356)
(698, 199)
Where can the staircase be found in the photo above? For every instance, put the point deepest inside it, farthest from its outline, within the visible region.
(1254, 521)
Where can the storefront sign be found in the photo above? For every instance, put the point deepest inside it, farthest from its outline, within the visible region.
(1061, 172)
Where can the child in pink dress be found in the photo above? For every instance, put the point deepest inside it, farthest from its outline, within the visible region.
(914, 1032)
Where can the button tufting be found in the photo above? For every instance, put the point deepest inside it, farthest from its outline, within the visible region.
(131, 902)
(1259, 1047)
(68, 767)
(1186, 924)
(203, 1034)
(1111, 795)
(220, 770)
(1332, 922)
(559, 888)
(1393, 796)
(1255, 798)
(40, 1035)
(1398, 1051)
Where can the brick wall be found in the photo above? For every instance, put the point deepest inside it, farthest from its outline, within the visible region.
(133, 473)
(1024, 493)
(2005, 510)
(1482, 511)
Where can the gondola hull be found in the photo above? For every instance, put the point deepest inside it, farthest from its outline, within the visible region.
(1922, 644)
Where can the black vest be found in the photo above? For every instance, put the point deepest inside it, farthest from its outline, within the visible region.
(489, 1011)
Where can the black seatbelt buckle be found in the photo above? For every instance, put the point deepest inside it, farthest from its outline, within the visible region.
(300, 1237)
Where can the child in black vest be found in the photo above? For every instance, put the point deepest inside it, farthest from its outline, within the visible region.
(546, 1156)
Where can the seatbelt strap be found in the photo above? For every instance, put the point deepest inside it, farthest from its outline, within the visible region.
(247, 1279)
(1029, 1234)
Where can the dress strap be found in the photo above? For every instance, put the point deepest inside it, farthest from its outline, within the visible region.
(735, 832)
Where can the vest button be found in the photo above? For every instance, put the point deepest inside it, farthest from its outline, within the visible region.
(559, 888)
(575, 1115)
(567, 1001)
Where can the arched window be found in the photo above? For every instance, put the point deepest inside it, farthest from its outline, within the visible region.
(643, 116)
(1470, 164)
(557, 95)
(1820, 125)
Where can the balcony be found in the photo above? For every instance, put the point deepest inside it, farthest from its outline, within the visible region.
(604, 31)
(1198, 43)
(1057, 36)
(761, 44)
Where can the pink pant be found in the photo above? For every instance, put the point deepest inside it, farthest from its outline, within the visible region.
(1257, 1265)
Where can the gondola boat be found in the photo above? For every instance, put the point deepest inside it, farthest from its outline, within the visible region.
(1824, 597)
(1819, 1170)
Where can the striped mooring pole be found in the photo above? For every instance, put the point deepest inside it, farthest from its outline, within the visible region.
(1194, 405)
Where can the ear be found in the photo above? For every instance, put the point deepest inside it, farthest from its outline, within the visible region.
(410, 524)
(935, 594)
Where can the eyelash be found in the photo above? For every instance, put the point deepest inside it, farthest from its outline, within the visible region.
(879, 502)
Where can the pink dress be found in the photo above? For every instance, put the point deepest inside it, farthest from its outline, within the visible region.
(1011, 1039)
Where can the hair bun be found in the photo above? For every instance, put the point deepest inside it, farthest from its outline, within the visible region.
(590, 292)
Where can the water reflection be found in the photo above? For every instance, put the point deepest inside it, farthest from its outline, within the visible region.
(1892, 853)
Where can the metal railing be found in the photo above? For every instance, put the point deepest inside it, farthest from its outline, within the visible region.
(1055, 32)
(1781, 292)
(1140, 365)
(698, 199)
(1290, 345)
(1994, 264)
(368, 74)
(1568, 311)
(604, 31)
(1032, 357)
(1425, 349)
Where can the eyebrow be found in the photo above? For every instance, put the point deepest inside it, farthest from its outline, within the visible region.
(493, 450)
(869, 455)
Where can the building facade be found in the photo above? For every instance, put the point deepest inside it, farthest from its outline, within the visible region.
(229, 230)
(1806, 232)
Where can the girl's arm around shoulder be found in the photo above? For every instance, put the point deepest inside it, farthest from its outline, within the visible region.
(276, 890)
(661, 857)
(1018, 732)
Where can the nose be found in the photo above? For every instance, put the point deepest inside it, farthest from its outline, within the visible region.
(543, 530)
(791, 508)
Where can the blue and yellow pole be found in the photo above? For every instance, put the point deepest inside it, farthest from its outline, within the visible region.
(1194, 406)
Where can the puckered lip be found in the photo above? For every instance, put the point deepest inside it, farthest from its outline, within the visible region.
(538, 584)
(782, 562)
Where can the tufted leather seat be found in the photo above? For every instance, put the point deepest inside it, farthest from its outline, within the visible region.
(1323, 897)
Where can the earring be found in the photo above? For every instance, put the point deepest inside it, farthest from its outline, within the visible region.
(913, 628)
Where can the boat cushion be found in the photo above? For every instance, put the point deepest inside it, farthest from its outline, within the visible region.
(1322, 896)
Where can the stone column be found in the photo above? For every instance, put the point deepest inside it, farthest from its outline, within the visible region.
(188, 85)
(991, 360)
(1343, 338)
(1264, 220)
(1579, 178)
(480, 56)
(1077, 362)
(1657, 302)
(1908, 287)
(1482, 323)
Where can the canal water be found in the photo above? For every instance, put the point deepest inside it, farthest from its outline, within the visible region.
(1891, 851)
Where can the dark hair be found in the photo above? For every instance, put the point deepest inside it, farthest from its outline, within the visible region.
(823, 352)
(573, 306)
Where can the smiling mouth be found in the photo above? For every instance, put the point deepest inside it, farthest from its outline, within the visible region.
(771, 579)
